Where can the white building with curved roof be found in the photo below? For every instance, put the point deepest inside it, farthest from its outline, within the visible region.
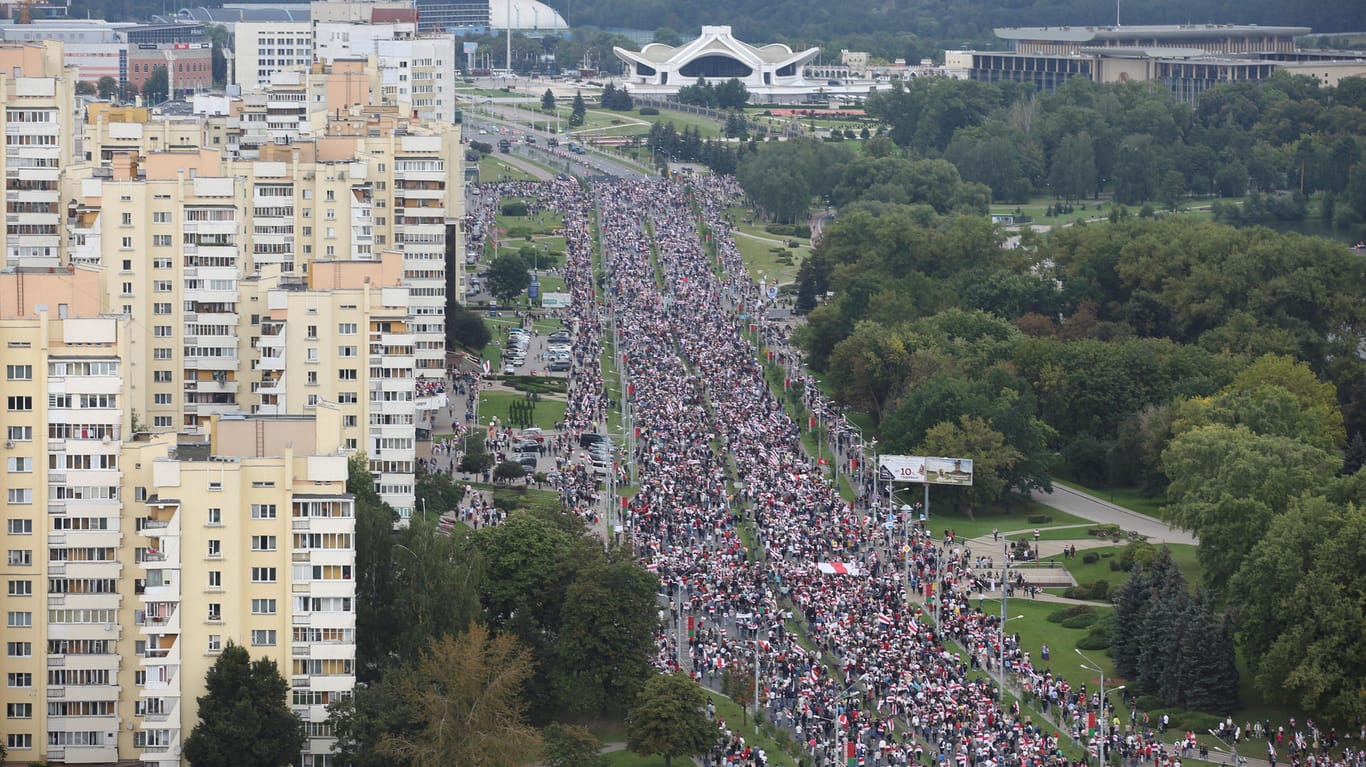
(773, 70)
(526, 16)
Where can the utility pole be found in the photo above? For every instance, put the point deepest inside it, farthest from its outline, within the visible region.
(1005, 576)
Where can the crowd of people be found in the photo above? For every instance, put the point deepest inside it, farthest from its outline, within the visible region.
(734, 516)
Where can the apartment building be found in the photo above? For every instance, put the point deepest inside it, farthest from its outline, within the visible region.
(37, 94)
(343, 337)
(248, 538)
(263, 48)
(66, 568)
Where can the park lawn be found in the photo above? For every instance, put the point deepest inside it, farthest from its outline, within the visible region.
(1183, 554)
(1036, 630)
(498, 403)
(491, 168)
(544, 221)
(1128, 497)
(706, 127)
(1054, 533)
(944, 516)
(729, 711)
(551, 284)
(762, 262)
(626, 758)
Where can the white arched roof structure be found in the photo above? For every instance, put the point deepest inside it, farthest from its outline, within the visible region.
(527, 15)
(716, 56)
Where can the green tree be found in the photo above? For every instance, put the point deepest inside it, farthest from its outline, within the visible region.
(466, 329)
(668, 719)
(607, 637)
(992, 458)
(578, 111)
(738, 685)
(568, 745)
(508, 275)
(476, 458)
(468, 693)
(157, 87)
(86, 88)
(508, 471)
(548, 101)
(244, 715)
(1228, 483)
(868, 367)
(732, 94)
(1073, 176)
(375, 521)
(107, 87)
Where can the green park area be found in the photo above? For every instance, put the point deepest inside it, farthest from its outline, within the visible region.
(492, 168)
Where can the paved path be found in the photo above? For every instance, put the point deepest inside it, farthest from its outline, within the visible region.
(1087, 506)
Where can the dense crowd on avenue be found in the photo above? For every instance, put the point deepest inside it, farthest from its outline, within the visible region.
(716, 453)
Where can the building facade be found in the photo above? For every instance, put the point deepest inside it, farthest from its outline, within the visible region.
(773, 70)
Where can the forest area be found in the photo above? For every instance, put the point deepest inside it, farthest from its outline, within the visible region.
(1214, 367)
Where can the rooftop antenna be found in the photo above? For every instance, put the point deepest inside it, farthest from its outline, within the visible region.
(1116, 13)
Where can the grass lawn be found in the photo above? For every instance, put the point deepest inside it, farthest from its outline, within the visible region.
(706, 127)
(762, 262)
(491, 168)
(1054, 533)
(551, 284)
(541, 222)
(1183, 554)
(1128, 497)
(729, 711)
(498, 403)
(943, 516)
(631, 759)
(1035, 631)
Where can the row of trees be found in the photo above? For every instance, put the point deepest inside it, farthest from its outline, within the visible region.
(1135, 142)
(667, 143)
(731, 94)
(1172, 643)
(537, 590)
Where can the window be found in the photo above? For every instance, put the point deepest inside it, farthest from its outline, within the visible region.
(215, 548)
(312, 331)
(19, 433)
(20, 680)
(312, 377)
(19, 404)
(161, 376)
(263, 543)
(161, 421)
(349, 421)
(312, 354)
(162, 331)
(20, 526)
(19, 741)
(348, 397)
(20, 465)
(161, 308)
(19, 649)
(19, 372)
(215, 611)
(127, 264)
(19, 619)
(127, 289)
(346, 328)
(127, 219)
(215, 517)
(263, 511)
(215, 642)
(161, 286)
(347, 374)
(347, 351)
(126, 243)
(161, 263)
(215, 579)
(161, 353)
(263, 607)
(161, 217)
(21, 557)
(18, 710)
(161, 240)
(263, 637)
(163, 398)
(262, 575)
(20, 588)
(139, 678)
(20, 495)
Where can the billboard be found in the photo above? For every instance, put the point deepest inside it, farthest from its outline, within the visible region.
(927, 470)
(551, 300)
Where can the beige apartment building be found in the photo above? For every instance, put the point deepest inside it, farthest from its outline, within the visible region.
(132, 559)
(37, 94)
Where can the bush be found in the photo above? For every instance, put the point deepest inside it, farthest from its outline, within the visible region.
(649, 111)
(509, 471)
(1103, 531)
(514, 208)
(1039, 519)
(1100, 590)
(1094, 640)
(1181, 719)
(1090, 558)
(1081, 621)
(1147, 702)
(1138, 552)
(1061, 616)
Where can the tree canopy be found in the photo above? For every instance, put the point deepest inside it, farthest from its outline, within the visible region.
(668, 719)
(244, 715)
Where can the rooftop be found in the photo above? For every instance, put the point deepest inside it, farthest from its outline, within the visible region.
(1155, 31)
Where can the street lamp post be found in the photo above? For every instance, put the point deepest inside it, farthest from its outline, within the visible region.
(1100, 753)
(1232, 748)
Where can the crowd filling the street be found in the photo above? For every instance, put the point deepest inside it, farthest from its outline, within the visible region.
(870, 635)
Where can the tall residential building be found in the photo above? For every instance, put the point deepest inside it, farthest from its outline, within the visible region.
(263, 48)
(246, 538)
(37, 95)
(67, 565)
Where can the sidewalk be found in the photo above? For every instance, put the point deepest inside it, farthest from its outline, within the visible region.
(1087, 506)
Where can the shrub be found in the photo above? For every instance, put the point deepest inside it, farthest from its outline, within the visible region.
(1137, 552)
(1081, 621)
(649, 111)
(1063, 615)
(1094, 640)
(1090, 558)
(1103, 531)
(1181, 719)
(1039, 519)
(1147, 703)
(1057, 616)
(514, 208)
(1100, 590)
